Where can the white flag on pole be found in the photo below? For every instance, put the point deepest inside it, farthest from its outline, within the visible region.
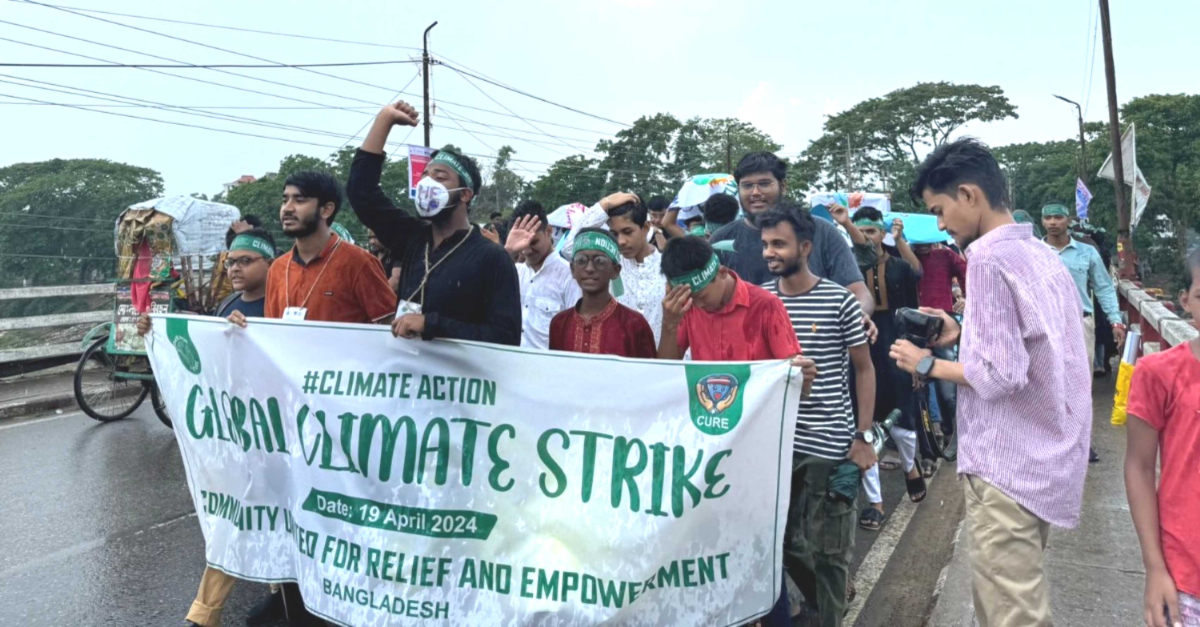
(1132, 174)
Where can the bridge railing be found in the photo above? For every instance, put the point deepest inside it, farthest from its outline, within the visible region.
(15, 360)
(1160, 326)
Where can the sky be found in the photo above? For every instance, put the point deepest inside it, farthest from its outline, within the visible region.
(783, 66)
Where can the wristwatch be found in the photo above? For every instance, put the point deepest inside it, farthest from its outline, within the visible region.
(867, 436)
(925, 366)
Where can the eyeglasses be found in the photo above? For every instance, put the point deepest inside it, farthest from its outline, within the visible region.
(599, 262)
(760, 185)
(241, 262)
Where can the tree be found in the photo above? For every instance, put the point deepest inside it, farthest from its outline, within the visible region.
(503, 190)
(879, 142)
(59, 217)
(1168, 153)
(716, 145)
(636, 160)
(1040, 173)
(573, 179)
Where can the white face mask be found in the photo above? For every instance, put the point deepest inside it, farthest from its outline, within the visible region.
(432, 197)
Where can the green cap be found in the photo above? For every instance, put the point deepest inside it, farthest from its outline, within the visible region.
(246, 241)
(1055, 210)
(869, 223)
(595, 240)
(699, 279)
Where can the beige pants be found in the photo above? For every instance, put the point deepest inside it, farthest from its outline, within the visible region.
(1089, 336)
(1007, 551)
(215, 587)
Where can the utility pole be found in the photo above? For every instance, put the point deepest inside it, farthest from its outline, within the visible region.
(1125, 252)
(425, 76)
(728, 152)
(849, 168)
(1082, 142)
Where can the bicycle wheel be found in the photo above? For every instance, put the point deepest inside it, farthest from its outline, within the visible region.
(99, 392)
(160, 406)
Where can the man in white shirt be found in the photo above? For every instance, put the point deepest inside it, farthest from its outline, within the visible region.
(547, 286)
(641, 285)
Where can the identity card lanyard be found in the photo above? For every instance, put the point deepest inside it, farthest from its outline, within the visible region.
(287, 278)
(429, 269)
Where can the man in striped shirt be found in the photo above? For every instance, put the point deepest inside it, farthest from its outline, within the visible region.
(1025, 384)
(827, 320)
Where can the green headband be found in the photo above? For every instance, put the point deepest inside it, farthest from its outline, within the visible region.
(865, 223)
(452, 161)
(699, 279)
(595, 240)
(246, 241)
(1055, 210)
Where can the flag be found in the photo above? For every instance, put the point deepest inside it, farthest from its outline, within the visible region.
(1082, 198)
(1133, 175)
(418, 158)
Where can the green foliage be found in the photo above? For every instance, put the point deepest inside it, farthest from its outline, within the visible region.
(877, 143)
(636, 160)
(66, 208)
(569, 180)
(262, 197)
(503, 190)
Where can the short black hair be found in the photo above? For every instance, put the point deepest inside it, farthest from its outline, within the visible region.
(468, 164)
(761, 161)
(531, 208)
(253, 221)
(787, 213)
(318, 184)
(635, 209)
(684, 255)
(657, 203)
(868, 213)
(496, 214)
(966, 160)
(720, 209)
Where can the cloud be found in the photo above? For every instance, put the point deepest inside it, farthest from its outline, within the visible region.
(795, 102)
(832, 106)
(765, 109)
(635, 4)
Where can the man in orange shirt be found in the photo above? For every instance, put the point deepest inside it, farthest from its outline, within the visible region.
(323, 277)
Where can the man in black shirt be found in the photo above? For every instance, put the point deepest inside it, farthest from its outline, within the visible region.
(454, 283)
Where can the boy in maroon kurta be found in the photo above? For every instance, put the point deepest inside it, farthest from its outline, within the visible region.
(598, 324)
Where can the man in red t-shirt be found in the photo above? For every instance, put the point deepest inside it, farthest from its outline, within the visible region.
(720, 317)
(1164, 412)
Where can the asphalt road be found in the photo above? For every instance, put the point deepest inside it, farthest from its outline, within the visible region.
(98, 529)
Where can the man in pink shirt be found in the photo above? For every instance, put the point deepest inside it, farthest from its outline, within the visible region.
(1025, 402)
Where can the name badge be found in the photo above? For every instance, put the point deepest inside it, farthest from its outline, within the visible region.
(407, 307)
(295, 313)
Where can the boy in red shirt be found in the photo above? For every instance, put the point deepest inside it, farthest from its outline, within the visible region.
(598, 324)
(1164, 412)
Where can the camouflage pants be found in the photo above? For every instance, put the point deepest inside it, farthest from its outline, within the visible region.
(819, 539)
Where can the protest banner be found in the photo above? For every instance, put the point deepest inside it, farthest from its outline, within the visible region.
(460, 483)
(418, 158)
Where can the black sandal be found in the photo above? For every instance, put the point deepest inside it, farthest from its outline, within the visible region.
(916, 488)
(871, 519)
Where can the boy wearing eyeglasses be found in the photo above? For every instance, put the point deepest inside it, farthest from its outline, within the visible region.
(598, 324)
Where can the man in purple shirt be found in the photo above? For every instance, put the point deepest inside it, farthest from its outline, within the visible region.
(1025, 404)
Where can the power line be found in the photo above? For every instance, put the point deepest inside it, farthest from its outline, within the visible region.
(529, 95)
(186, 78)
(489, 97)
(234, 28)
(369, 120)
(210, 66)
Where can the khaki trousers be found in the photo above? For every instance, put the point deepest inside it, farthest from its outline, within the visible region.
(215, 587)
(1089, 336)
(1007, 551)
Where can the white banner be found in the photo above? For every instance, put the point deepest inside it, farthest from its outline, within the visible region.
(1131, 172)
(454, 483)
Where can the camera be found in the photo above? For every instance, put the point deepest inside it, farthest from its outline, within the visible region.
(919, 328)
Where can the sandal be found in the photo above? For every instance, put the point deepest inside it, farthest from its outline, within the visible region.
(916, 488)
(871, 519)
(888, 462)
(928, 468)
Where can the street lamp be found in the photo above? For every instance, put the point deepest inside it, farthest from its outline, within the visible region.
(1082, 143)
